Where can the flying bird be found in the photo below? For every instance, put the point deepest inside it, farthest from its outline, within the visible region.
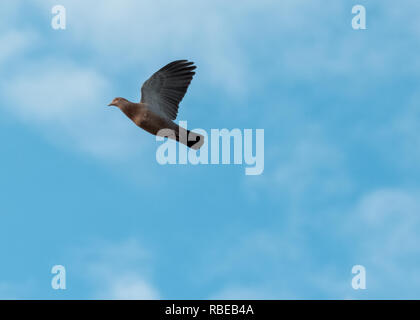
(160, 98)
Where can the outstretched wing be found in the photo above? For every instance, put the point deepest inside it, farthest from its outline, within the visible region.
(164, 90)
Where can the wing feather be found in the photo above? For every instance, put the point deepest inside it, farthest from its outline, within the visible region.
(166, 88)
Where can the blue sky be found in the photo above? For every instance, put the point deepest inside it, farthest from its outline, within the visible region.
(80, 185)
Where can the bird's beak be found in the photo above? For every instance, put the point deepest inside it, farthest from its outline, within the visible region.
(110, 104)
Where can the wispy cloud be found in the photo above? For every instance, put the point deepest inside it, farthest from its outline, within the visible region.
(128, 287)
(117, 270)
(68, 104)
(15, 42)
(377, 230)
(386, 224)
(164, 30)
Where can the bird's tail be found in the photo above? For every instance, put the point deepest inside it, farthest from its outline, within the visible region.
(189, 138)
(195, 140)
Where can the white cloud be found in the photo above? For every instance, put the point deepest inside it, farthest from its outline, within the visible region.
(68, 103)
(385, 223)
(221, 37)
(117, 270)
(388, 220)
(324, 53)
(138, 37)
(129, 287)
(141, 35)
(55, 93)
(14, 44)
(312, 164)
(308, 164)
(378, 229)
(401, 132)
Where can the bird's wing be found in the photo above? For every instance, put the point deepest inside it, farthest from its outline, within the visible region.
(164, 90)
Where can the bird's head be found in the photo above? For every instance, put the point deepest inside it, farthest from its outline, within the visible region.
(117, 102)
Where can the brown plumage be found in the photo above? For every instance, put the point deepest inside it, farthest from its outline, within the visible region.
(160, 98)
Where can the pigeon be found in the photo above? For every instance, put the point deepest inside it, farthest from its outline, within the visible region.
(158, 106)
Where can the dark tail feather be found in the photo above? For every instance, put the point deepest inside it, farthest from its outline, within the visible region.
(189, 138)
(194, 141)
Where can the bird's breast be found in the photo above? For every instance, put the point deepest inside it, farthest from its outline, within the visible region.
(141, 118)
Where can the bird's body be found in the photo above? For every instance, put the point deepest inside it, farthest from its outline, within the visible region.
(161, 94)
